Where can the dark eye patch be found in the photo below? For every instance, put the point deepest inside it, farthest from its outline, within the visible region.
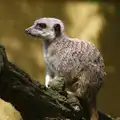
(57, 29)
(41, 25)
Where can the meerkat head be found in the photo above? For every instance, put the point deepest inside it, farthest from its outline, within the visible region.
(46, 28)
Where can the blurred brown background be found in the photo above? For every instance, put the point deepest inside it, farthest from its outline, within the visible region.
(96, 21)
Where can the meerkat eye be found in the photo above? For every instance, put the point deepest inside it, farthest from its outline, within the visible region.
(57, 29)
(42, 25)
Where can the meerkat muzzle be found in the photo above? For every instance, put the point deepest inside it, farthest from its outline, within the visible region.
(27, 31)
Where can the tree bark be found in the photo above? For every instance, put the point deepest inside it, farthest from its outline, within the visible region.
(33, 100)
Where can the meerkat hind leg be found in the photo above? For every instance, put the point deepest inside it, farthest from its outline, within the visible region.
(73, 101)
(87, 95)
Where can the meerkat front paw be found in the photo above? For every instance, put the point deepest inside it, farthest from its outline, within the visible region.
(57, 83)
(47, 80)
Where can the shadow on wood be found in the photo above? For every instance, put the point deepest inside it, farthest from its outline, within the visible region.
(33, 100)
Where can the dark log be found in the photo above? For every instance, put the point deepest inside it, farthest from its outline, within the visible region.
(33, 100)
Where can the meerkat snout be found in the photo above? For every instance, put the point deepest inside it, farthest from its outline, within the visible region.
(46, 28)
(27, 30)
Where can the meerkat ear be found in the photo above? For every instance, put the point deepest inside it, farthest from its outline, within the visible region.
(57, 29)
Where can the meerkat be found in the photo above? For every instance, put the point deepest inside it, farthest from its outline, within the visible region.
(78, 61)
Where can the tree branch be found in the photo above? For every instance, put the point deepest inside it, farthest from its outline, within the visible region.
(33, 100)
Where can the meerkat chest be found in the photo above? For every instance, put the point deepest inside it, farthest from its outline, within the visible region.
(51, 56)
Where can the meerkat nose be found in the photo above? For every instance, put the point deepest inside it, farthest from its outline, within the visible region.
(27, 30)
